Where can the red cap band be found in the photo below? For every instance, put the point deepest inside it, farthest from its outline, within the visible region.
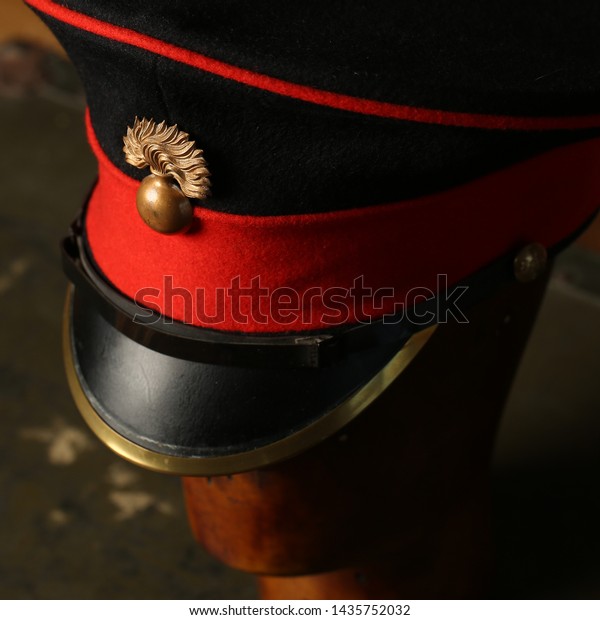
(298, 270)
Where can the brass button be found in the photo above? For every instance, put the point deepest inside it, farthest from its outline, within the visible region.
(530, 263)
(163, 206)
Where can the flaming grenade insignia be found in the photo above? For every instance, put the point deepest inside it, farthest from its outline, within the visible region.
(178, 173)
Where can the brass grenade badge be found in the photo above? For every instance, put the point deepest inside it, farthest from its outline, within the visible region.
(178, 173)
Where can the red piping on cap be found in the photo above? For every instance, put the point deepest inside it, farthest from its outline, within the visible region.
(399, 246)
(307, 93)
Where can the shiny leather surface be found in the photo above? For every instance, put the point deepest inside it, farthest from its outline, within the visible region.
(185, 408)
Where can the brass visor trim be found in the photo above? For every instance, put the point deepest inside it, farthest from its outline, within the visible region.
(285, 448)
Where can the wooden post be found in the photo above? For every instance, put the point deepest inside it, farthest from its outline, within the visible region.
(396, 505)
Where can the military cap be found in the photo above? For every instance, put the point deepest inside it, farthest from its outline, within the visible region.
(291, 196)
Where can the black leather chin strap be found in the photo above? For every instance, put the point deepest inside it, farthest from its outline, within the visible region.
(306, 350)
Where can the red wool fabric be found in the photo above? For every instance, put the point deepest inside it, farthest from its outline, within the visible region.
(302, 92)
(400, 246)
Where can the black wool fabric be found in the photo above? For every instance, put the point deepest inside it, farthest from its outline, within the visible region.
(270, 154)
(521, 57)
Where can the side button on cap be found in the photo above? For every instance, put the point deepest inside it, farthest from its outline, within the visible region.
(530, 263)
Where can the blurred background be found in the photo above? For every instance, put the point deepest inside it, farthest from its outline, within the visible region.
(78, 522)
